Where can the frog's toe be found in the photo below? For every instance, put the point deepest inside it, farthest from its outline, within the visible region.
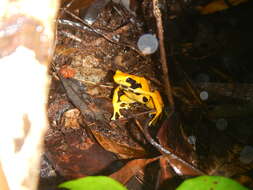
(152, 121)
(114, 115)
(152, 114)
(155, 118)
(124, 106)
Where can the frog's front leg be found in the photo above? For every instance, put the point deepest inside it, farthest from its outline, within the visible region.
(120, 102)
(115, 103)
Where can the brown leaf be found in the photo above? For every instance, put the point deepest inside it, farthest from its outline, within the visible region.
(73, 154)
(183, 168)
(165, 173)
(125, 149)
(130, 169)
(171, 137)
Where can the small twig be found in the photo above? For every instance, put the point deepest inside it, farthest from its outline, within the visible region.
(67, 6)
(163, 150)
(159, 22)
(73, 24)
(71, 36)
(109, 35)
(95, 84)
(100, 33)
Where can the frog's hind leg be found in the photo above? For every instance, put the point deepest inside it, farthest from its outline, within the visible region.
(125, 101)
(141, 98)
(158, 104)
(154, 102)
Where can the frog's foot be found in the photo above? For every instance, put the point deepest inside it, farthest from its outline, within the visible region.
(117, 107)
(124, 106)
(116, 112)
(114, 116)
(153, 121)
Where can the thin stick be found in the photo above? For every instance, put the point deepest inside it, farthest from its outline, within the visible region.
(159, 23)
(162, 149)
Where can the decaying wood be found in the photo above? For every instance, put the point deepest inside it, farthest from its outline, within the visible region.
(26, 35)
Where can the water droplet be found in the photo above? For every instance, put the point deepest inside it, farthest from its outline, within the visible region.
(221, 124)
(192, 140)
(147, 44)
(203, 95)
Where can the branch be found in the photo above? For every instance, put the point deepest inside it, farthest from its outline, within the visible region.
(159, 23)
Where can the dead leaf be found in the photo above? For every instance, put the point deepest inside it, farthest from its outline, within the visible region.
(130, 169)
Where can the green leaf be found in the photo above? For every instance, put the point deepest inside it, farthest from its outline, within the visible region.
(93, 183)
(210, 183)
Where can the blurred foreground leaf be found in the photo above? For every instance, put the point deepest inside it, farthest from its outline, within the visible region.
(210, 182)
(93, 183)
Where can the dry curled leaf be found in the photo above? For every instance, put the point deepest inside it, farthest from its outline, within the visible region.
(130, 169)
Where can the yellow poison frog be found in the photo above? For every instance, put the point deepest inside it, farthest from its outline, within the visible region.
(135, 89)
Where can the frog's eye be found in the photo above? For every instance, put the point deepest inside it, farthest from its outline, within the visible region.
(144, 99)
(133, 83)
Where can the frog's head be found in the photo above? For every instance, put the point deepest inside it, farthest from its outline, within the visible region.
(121, 78)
